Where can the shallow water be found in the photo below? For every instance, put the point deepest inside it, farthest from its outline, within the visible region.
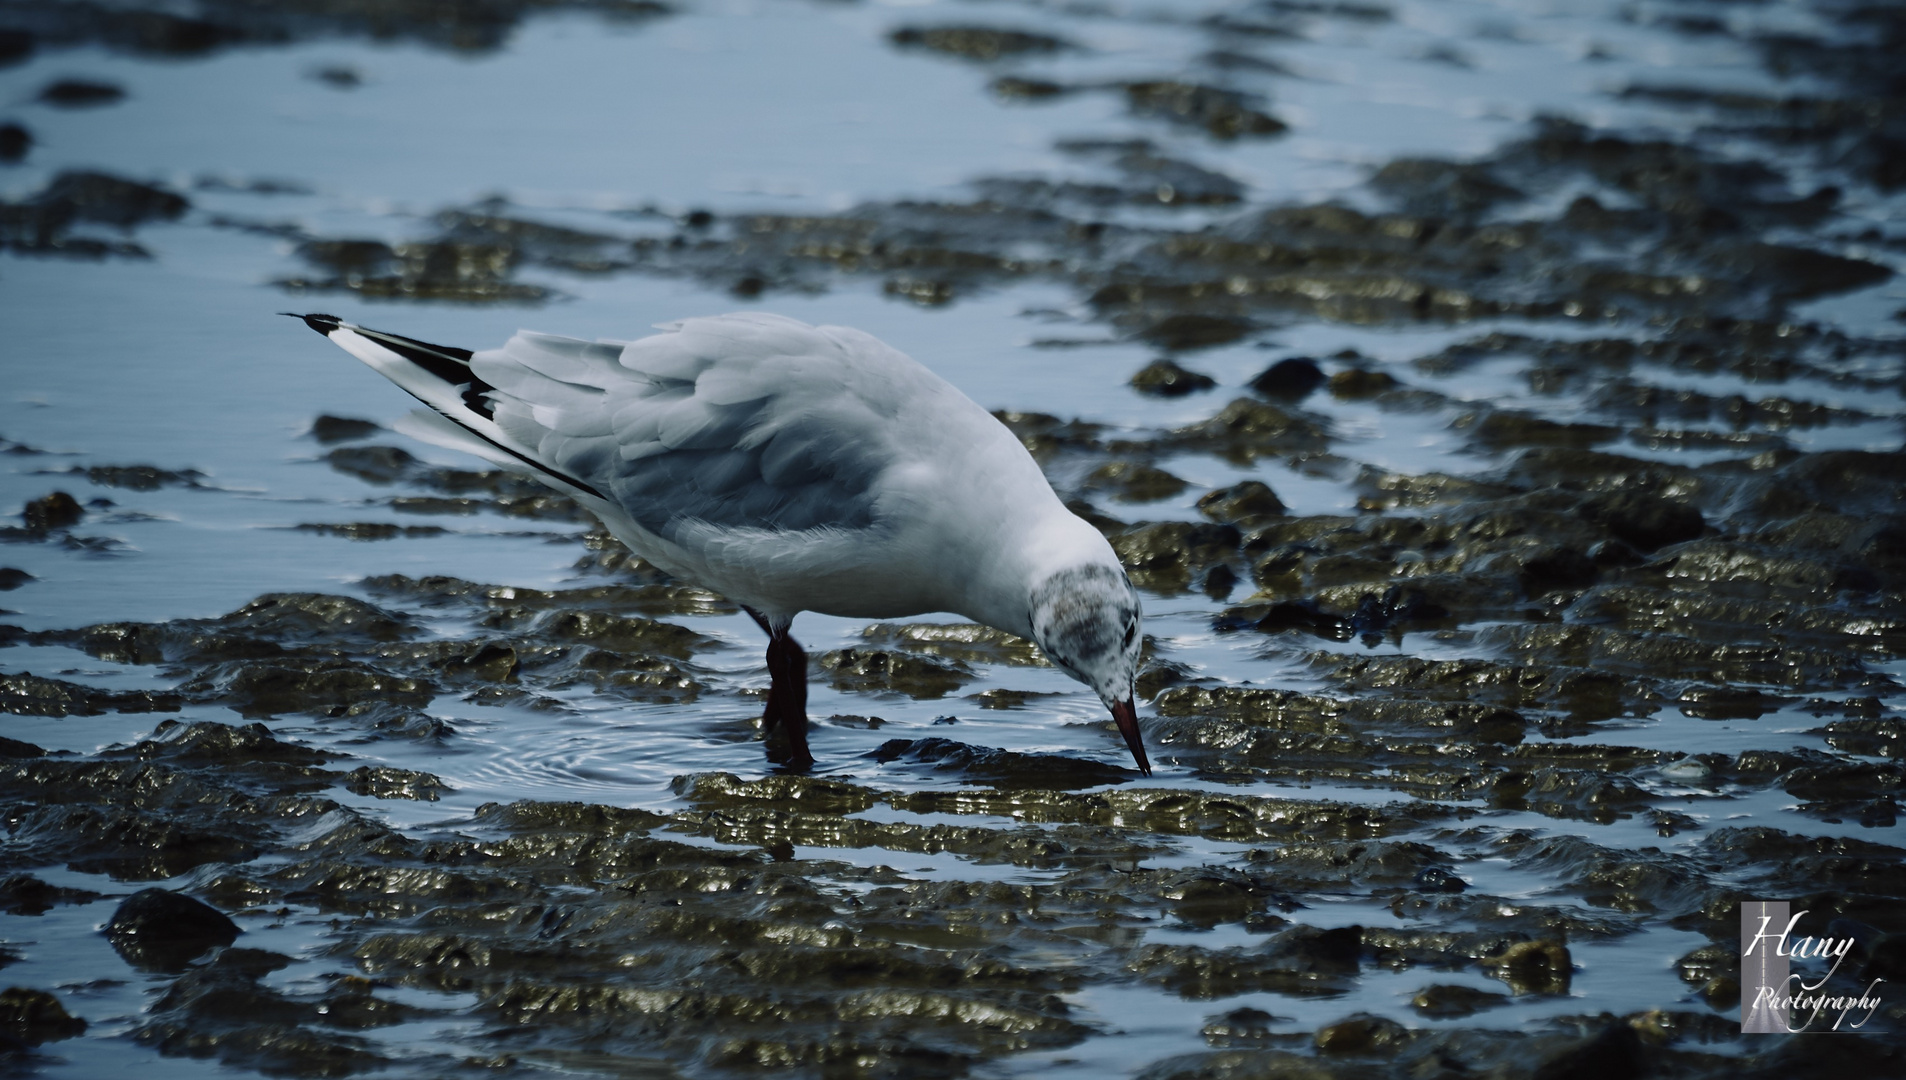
(621, 129)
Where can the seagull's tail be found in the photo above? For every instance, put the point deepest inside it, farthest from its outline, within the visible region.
(464, 418)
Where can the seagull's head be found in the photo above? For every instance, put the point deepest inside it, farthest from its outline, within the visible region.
(1086, 620)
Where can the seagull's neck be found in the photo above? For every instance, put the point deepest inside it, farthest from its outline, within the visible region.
(1052, 541)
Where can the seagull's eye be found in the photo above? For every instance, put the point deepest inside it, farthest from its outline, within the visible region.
(1130, 630)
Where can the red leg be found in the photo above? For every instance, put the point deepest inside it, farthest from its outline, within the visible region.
(787, 691)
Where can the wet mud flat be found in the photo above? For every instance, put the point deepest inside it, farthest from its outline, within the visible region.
(1465, 767)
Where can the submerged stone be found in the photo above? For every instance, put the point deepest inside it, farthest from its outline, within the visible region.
(33, 1017)
(163, 930)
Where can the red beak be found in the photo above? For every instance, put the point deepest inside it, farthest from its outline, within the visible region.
(1126, 714)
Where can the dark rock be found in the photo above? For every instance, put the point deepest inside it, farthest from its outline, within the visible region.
(376, 464)
(1134, 481)
(15, 46)
(1002, 768)
(305, 684)
(1353, 384)
(384, 782)
(1438, 879)
(1242, 504)
(1223, 114)
(12, 578)
(1246, 429)
(24, 894)
(164, 930)
(111, 200)
(1186, 332)
(371, 530)
(1533, 967)
(1014, 88)
(35, 1016)
(1291, 379)
(339, 76)
(1614, 1053)
(1646, 521)
(1444, 1000)
(1556, 568)
(980, 43)
(1442, 188)
(970, 643)
(336, 429)
(80, 93)
(14, 748)
(15, 141)
(1163, 378)
(56, 511)
(25, 694)
(1239, 1025)
(1164, 555)
(1362, 1034)
(1218, 582)
(622, 633)
(878, 669)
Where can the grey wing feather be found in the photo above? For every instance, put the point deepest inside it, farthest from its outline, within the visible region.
(740, 421)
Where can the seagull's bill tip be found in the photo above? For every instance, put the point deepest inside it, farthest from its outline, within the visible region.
(1125, 713)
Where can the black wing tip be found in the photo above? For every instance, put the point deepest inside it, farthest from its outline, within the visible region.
(323, 324)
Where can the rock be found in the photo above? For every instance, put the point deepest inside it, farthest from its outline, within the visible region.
(1291, 379)
(1444, 1000)
(970, 643)
(11, 578)
(14, 748)
(1614, 1053)
(877, 669)
(1223, 114)
(981, 43)
(1247, 429)
(164, 930)
(1438, 879)
(24, 894)
(1134, 481)
(1363, 1034)
(56, 511)
(1646, 521)
(622, 633)
(111, 200)
(384, 782)
(1164, 555)
(1186, 332)
(35, 1016)
(1442, 188)
(1164, 378)
(80, 93)
(1240, 1025)
(26, 694)
(1014, 88)
(1002, 768)
(15, 141)
(1354, 384)
(1242, 504)
(1533, 967)
(335, 429)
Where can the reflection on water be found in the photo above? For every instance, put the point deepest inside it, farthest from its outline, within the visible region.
(621, 130)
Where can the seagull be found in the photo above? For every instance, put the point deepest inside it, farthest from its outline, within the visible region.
(790, 468)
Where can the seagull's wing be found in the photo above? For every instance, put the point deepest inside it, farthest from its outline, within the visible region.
(746, 421)
(736, 422)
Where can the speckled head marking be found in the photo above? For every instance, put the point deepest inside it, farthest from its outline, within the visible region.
(1086, 620)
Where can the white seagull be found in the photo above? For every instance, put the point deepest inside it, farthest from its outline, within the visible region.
(790, 468)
